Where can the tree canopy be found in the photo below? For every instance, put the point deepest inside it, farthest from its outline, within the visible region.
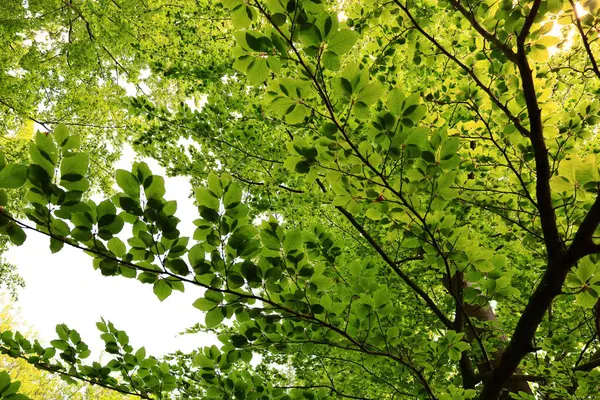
(38, 384)
(396, 199)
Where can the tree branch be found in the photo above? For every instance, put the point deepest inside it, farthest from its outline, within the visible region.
(468, 70)
(420, 292)
(508, 52)
(586, 44)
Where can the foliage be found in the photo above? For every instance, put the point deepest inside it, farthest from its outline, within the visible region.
(40, 385)
(9, 278)
(396, 200)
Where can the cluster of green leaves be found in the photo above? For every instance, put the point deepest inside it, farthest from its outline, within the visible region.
(8, 389)
(257, 275)
(139, 375)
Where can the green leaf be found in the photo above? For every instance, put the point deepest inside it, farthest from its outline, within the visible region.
(60, 344)
(342, 41)
(310, 35)
(203, 304)
(269, 240)
(450, 148)
(292, 240)
(56, 245)
(258, 71)
(395, 102)
(178, 266)
(154, 187)
(4, 381)
(239, 340)
(370, 93)
(162, 290)
(233, 195)
(381, 297)
(207, 198)
(213, 318)
(13, 176)
(418, 137)
(308, 348)
(454, 354)
(46, 146)
(554, 6)
(587, 298)
(539, 53)
(242, 16)
(61, 134)
(128, 182)
(117, 247)
(74, 167)
(331, 60)
(215, 185)
(16, 234)
(355, 268)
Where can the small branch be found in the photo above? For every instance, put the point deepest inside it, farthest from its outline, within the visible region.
(528, 23)
(331, 388)
(586, 44)
(508, 52)
(588, 366)
(468, 70)
(416, 288)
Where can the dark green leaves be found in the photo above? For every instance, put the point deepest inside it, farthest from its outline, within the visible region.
(8, 389)
(15, 233)
(178, 266)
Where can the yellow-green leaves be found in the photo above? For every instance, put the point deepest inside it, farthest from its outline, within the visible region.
(242, 15)
(576, 173)
(342, 41)
(538, 53)
(287, 98)
(395, 101)
(64, 139)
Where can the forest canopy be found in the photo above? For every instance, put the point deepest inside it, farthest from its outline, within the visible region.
(395, 199)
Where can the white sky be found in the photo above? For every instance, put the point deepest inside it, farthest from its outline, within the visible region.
(64, 288)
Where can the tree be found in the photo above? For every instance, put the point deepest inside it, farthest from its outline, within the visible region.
(396, 199)
(39, 385)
